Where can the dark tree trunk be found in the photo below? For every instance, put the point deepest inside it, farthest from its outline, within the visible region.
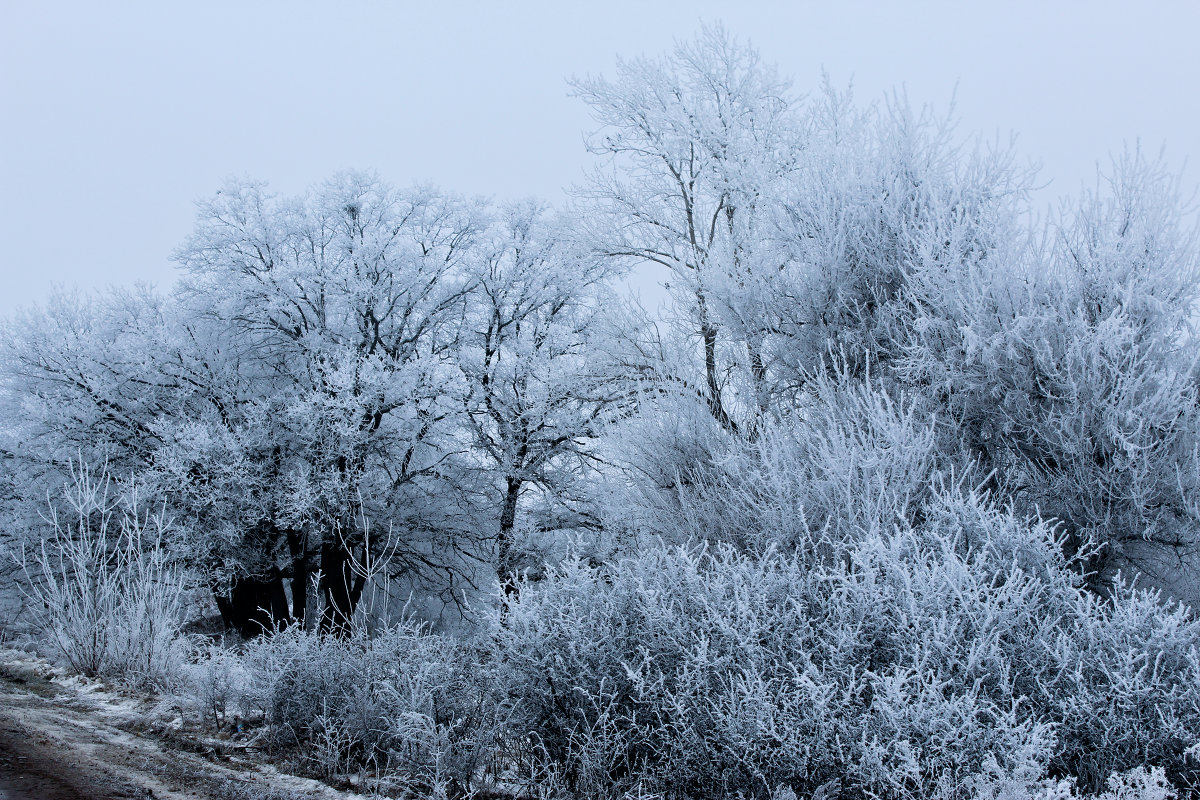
(224, 606)
(716, 406)
(277, 598)
(335, 588)
(341, 588)
(254, 604)
(506, 566)
(300, 575)
(506, 563)
(299, 593)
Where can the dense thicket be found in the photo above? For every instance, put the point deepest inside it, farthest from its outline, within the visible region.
(875, 506)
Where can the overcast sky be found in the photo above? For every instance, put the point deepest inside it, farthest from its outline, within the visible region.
(116, 117)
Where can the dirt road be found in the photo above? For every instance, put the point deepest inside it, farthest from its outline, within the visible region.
(65, 739)
(32, 766)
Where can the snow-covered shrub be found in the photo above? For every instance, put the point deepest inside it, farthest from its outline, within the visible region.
(214, 684)
(1126, 688)
(1068, 370)
(918, 660)
(290, 673)
(854, 461)
(859, 461)
(103, 588)
(406, 703)
(895, 667)
(1141, 783)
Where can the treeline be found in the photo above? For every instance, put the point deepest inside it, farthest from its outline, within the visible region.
(862, 511)
(362, 379)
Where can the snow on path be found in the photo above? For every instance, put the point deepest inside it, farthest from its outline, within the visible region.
(63, 738)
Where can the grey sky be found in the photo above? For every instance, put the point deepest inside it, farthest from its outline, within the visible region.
(115, 117)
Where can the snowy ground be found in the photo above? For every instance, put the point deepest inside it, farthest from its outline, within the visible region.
(64, 737)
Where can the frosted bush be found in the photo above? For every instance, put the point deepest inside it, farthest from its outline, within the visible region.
(1067, 369)
(1126, 687)
(857, 461)
(103, 588)
(291, 673)
(907, 663)
(406, 704)
(1141, 783)
(215, 684)
(712, 673)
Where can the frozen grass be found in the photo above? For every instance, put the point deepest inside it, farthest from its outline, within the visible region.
(101, 587)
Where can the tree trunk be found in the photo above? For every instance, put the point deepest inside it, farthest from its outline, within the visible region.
(340, 589)
(300, 575)
(708, 332)
(254, 604)
(506, 567)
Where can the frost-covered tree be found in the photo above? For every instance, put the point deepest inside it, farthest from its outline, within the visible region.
(1068, 370)
(693, 148)
(224, 467)
(789, 231)
(537, 393)
(786, 227)
(878, 193)
(813, 237)
(83, 380)
(356, 376)
(84, 377)
(340, 309)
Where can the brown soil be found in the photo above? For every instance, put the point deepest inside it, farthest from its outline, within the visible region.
(58, 743)
(33, 768)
